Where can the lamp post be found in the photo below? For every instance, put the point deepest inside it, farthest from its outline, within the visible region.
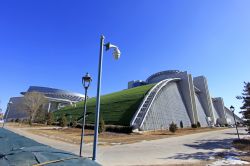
(70, 118)
(7, 112)
(86, 80)
(116, 55)
(232, 109)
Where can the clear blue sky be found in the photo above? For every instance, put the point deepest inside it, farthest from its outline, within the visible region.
(54, 42)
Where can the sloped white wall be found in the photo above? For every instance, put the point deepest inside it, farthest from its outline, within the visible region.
(167, 108)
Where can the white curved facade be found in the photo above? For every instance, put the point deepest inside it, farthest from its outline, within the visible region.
(178, 97)
(167, 108)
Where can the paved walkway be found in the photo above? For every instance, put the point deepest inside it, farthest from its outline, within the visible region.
(192, 148)
(21, 151)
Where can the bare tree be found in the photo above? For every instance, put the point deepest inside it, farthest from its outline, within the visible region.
(32, 102)
(1, 114)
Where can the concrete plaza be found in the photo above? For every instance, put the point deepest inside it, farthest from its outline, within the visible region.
(193, 148)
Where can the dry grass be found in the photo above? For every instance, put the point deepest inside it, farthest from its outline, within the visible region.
(243, 145)
(25, 125)
(72, 135)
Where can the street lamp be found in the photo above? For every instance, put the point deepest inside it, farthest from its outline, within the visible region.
(7, 112)
(86, 80)
(232, 109)
(116, 54)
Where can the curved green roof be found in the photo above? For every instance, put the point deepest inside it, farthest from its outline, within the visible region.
(116, 108)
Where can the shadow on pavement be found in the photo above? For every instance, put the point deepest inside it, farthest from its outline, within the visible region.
(236, 133)
(208, 145)
(198, 156)
(211, 144)
(207, 155)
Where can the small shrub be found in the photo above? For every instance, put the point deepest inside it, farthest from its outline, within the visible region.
(57, 119)
(30, 121)
(134, 127)
(194, 126)
(181, 124)
(101, 126)
(79, 126)
(242, 144)
(119, 129)
(50, 118)
(173, 127)
(25, 121)
(63, 121)
(40, 116)
(198, 124)
(74, 123)
(17, 120)
(89, 126)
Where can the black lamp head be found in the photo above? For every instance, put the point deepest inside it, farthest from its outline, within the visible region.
(86, 80)
(232, 108)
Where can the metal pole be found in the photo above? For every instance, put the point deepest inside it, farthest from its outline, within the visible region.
(98, 99)
(49, 107)
(6, 115)
(83, 121)
(236, 126)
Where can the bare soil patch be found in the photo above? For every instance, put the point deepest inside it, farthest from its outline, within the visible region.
(72, 135)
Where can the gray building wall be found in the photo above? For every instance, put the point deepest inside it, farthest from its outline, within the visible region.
(130, 84)
(16, 109)
(157, 77)
(56, 99)
(219, 108)
(192, 94)
(205, 99)
(186, 89)
(230, 118)
(168, 107)
(202, 118)
(136, 83)
(195, 97)
(216, 116)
